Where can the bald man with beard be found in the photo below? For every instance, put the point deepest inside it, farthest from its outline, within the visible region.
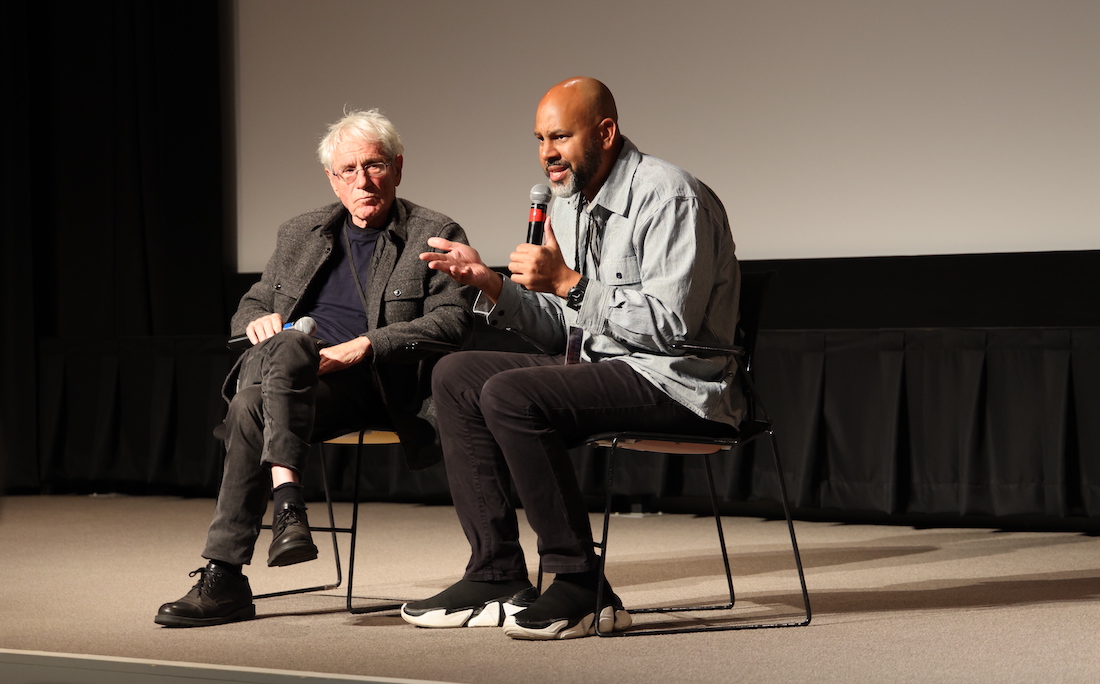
(638, 256)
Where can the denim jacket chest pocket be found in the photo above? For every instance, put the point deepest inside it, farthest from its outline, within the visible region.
(617, 272)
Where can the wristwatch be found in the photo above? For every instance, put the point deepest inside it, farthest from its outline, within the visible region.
(576, 294)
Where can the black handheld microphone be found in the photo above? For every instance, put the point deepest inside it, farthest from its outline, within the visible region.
(304, 324)
(536, 219)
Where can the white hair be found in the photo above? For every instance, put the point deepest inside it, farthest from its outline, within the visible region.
(369, 126)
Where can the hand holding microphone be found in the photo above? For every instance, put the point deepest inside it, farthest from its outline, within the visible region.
(541, 268)
(304, 324)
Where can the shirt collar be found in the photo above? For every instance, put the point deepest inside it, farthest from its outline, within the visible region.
(614, 194)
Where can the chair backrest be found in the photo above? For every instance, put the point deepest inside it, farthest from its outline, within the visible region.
(753, 288)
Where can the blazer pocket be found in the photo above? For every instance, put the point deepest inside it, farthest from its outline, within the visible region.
(621, 271)
(398, 290)
(283, 302)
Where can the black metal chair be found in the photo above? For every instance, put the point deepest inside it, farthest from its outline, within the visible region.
(757, 424)
(360, 439)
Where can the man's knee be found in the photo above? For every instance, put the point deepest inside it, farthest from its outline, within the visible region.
(453, 373)
(292, 345)
(245, 408)
(509, 393)
(456, 374)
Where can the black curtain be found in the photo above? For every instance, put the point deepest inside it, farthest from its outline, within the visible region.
(113, 223)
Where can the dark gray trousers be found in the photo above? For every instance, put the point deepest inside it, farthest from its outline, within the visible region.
(507, 417)
(279, 407)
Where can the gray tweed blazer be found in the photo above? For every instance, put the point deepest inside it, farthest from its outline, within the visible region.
(406, 301)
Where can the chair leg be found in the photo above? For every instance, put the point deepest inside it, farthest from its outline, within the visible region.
(354, 522)
(354, 536)
(790, 528)
(601, 573)
(331, 521)
(721, 535)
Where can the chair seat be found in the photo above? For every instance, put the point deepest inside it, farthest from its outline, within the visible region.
(369, 437)
(664, 447)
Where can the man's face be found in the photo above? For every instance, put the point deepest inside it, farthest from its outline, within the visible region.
(569, 148)
(367, 199)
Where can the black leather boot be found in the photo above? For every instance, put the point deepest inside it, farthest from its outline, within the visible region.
(220, 596)
(292, 542)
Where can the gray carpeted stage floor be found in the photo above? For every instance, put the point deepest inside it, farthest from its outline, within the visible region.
(85, 575)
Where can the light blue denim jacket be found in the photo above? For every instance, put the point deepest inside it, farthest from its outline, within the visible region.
(665, 272)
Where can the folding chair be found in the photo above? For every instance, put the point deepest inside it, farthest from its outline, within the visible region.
(360, 439)
(757, 423)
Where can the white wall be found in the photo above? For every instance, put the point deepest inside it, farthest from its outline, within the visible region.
(829, 127)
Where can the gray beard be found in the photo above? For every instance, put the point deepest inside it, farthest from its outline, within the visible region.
(578, 176)
(567, 189)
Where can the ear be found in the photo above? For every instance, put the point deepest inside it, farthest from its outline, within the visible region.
(608, 131)
(398, 164)
(334, 182)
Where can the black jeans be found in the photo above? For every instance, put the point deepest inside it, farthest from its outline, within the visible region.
(280, 406)
(512, 417)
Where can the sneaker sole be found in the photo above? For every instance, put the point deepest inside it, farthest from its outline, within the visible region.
(492, 614)
(180, 621)
(611, 620)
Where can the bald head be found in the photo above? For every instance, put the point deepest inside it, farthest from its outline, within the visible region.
(591, 98)
(577, 126)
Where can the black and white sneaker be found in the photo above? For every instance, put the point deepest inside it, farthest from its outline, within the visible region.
(567, 611)
(470, 603)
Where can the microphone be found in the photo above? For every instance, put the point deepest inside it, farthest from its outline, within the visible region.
(536, 219)
(304, 324)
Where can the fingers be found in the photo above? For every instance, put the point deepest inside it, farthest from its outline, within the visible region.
(264, 327)
(439, 243)
(344, 355)
(458, 260)
(453, 252)
(549, 239)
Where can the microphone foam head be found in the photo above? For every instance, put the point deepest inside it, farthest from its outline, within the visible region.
(540, 194)
(305, 324)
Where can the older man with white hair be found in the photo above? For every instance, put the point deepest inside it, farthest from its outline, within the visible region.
(354, 267)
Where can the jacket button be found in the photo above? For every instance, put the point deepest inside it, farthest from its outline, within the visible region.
(397, 293)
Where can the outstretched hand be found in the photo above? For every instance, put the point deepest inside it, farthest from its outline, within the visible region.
(464, 264)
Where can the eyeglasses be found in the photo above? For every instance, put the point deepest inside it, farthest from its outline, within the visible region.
(349, 174)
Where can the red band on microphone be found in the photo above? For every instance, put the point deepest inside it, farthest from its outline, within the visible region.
(538, 214)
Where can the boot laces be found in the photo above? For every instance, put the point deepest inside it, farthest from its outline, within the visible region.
(206, 579)
(286, 517)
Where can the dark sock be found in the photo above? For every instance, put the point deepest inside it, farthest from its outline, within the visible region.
(226, 567)
(586, 580)
(288, 492)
